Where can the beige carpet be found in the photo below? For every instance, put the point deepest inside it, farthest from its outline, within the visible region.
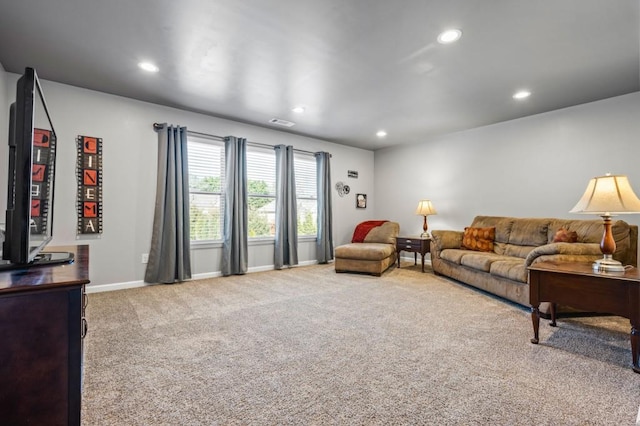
(308, 346)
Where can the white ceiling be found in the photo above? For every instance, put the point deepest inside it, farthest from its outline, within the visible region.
(357, 66)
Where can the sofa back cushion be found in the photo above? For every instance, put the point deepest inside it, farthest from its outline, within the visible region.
(385, 233)
(529, 232)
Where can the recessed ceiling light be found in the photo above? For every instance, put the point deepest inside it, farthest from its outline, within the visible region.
(522, 94)
(381, 134)
(298, 110)
(449, 36)
(148, 66)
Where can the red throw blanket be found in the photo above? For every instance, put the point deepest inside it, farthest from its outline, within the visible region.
(362, 229)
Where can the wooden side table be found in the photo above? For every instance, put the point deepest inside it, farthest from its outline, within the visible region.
(576, 285)
(414, 244)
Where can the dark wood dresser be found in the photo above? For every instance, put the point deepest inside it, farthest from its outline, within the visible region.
(41, 329)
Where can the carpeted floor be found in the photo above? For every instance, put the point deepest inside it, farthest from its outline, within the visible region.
(307, 346)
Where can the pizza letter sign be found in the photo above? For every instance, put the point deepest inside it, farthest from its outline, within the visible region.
(89, 185)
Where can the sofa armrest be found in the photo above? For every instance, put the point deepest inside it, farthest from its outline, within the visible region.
(570, 252)
(441, 240)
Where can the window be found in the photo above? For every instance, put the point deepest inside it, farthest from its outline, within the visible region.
(306, 194)
(261, 191)
(206, 191)
(206, 182)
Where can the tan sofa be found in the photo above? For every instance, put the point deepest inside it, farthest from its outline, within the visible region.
(373, 256)
(519, 243)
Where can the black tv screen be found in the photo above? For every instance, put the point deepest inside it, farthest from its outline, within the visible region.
(32, 157)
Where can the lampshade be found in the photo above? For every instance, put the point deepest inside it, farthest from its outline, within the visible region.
(425, 207)
(608, 195)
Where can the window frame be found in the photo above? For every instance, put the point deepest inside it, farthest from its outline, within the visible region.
(219, 146)
(314, 197)
(271, 180)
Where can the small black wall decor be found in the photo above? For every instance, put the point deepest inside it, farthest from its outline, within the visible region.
(361, 201)
(89, 199)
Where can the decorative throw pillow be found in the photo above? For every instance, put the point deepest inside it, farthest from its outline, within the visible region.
(479, 239)
(565, 236)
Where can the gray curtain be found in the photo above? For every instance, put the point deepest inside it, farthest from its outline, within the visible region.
(235, 244)
(170, 255)
(324, 242)
(286, 239)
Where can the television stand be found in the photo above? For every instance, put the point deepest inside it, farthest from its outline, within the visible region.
(44, 258)
(42, 325)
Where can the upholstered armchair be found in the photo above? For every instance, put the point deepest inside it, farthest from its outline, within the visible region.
(372, 249)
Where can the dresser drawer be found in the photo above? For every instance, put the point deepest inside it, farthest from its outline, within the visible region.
(408, 243)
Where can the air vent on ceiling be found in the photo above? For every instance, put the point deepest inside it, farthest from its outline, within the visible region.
(281, 122)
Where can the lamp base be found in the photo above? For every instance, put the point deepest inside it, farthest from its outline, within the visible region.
(607, 264)
(425, 234)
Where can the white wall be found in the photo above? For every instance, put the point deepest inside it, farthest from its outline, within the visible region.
(130, 155)
(536, 166)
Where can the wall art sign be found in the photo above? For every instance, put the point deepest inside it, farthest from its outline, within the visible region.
(89, 171)
(352, 174)
(44, 146)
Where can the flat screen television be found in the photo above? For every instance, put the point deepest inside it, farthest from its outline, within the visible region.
(31, 178)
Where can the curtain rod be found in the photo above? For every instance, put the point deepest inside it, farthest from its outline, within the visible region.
(158, 126)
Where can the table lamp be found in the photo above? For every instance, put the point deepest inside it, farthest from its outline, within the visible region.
(607, 196)
(425, 208)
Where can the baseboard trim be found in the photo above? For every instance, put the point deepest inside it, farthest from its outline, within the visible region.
(99, 288)
(427, 259)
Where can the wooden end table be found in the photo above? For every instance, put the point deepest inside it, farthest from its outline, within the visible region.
(414, 244)
(576, 285)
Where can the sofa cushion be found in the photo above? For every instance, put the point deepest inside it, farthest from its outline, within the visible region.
(479, 239)
(365, 251)
(511, 269)
(453, 255)
(480, 261)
